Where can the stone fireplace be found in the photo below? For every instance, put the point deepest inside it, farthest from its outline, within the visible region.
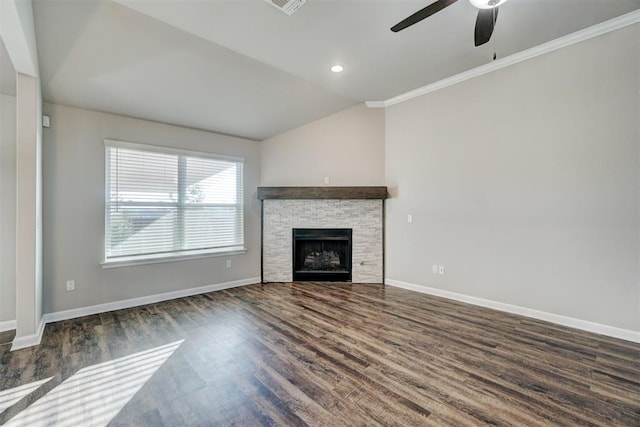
(319, 212)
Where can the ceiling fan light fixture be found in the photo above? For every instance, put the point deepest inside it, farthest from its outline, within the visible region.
(487, 4)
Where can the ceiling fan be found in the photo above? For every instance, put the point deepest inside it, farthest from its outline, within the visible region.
(485, 23)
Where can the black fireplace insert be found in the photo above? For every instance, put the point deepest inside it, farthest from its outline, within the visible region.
(322, 254)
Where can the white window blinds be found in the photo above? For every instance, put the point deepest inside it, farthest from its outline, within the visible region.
(163, 202)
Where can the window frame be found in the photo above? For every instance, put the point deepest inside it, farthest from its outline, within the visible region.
(168, 256)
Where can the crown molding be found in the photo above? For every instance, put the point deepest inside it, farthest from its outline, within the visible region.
(375, 104)
(568, 40)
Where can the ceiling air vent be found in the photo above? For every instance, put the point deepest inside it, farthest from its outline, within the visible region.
(287, 6)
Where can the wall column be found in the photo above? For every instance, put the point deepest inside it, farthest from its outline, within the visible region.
(18, 33)
(28, 214)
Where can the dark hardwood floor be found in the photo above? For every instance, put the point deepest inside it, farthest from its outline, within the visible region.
(6, 337)
(323, 354)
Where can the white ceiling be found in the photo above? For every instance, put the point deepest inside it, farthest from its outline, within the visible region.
(242, 67)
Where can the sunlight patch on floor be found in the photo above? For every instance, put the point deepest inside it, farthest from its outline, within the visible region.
(12, 395)
(95, 394)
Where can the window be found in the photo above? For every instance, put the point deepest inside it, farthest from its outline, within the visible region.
(166, 203)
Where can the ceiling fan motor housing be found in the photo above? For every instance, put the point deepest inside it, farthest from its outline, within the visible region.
(487, 4)
(287, 6)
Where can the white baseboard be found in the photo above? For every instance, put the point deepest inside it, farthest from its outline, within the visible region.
(29, 340)
(7, 325)
(135, 302)
(598, 328)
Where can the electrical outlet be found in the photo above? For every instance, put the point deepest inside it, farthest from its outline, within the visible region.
(441, 270)
(71, 285)
(409, 218)
(228, 263)
(434, 269)
(326, 180)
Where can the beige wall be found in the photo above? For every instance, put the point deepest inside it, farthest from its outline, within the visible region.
(524, 184)
(7, 208)
(73, 166)
(348, 147)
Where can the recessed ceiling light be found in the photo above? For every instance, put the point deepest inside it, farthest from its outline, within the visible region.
(337, 68)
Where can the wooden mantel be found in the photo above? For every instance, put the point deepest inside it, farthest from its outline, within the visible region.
(322, 193)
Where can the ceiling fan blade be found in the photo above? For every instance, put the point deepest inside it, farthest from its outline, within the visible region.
(422, 14)
(485, 24)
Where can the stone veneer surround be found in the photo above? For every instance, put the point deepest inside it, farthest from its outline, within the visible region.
(364, 217)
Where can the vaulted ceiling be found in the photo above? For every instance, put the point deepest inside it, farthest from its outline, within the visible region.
(242, 67)
(7, 72)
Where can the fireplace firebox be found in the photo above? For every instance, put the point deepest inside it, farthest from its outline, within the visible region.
(322, 254)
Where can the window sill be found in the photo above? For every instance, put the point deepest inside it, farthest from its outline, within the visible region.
(131, 261)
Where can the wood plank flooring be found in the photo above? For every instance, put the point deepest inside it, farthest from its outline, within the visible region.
(6, 337)
(341, 354)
